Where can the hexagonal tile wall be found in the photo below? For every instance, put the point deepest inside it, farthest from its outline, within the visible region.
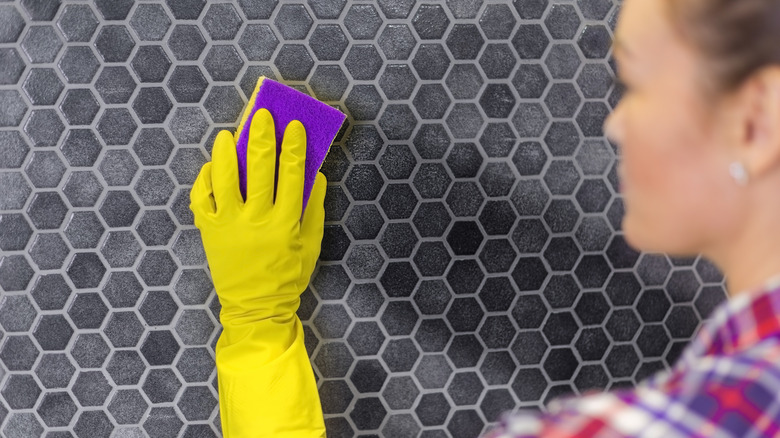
(473, 260)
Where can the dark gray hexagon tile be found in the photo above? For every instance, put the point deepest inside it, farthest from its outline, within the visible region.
(57, 409)
(431, 101)
(294, 62)
(188, 125)
(50, 291)
(45, 169)
(42, 86)
(594, 41)
(187, 84)
(363, 61)
(196, 364)
(159, 348)
(186, 164)
(77, 22)
(150, 63)
(86, 270)
(82, 189)
(11, 66)
(258, 42)
(362, 21)
(497, 61)
(155, 227)
(12, 24)
(157, 267)
(188, 248)
(193, 286)
(15, 108)
(125, 367)
(497, 21)
(127, 406)
(54, 370)
(150, 22)
(222, 21)
(23, 424)
(562, 61)
(328, 42)
(116, 126)
(15, 232)
(89, 350)
(186, 42)
(123, 329)
(16, 313)
(41, 44)
(93, 422)
(153, 146)
(293, 21)
(120, 249)
(180, 207)
(44, 127)
(464, 41)
(79, 106)
(396, 41)
(84, 229)
(154, 187)
(49, 251)
(224, 104)
(152, 105)
(78, 64)
(53, 332)
(119, 208)
(194, 327)
(223, 62)
(398, 121)
(163, 421)
(114, 10)
(114, 43)
(91, 388)
(115, 84)
(14, 191)
(13, 150)
(81, 147)
(328, 82)
(118, 167)
(122, 289)
(158, 308)
(21, 391)
(47, 210)
(18, 353)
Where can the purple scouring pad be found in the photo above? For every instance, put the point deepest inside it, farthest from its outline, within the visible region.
(322, 123)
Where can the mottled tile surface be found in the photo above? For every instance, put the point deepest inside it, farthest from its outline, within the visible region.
(473, 260)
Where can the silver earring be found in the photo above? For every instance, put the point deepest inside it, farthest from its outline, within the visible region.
(739, 173)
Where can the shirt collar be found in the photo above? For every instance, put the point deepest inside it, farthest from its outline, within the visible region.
(739, 322)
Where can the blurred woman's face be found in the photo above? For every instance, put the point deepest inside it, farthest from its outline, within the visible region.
(678, 194)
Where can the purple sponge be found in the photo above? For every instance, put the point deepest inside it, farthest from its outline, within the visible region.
(322, 123)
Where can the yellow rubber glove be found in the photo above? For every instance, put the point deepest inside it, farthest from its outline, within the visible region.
(261, 254)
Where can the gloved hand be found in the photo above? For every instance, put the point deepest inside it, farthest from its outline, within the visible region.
(261, 254)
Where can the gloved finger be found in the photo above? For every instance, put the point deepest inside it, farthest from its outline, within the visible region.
(224, 173)
(292, 161)
(261, 163)
(249, 108)
(201, 194)
(313, 222)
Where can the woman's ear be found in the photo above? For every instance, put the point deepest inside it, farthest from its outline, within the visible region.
(759, 146)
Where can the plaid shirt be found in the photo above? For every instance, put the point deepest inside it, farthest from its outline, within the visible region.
(725, 384)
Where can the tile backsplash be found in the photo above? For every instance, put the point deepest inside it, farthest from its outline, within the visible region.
(473, 260)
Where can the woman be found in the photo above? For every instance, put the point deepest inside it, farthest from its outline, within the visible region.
(699, 132)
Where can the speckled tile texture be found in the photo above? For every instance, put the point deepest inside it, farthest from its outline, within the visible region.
(473, 260)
